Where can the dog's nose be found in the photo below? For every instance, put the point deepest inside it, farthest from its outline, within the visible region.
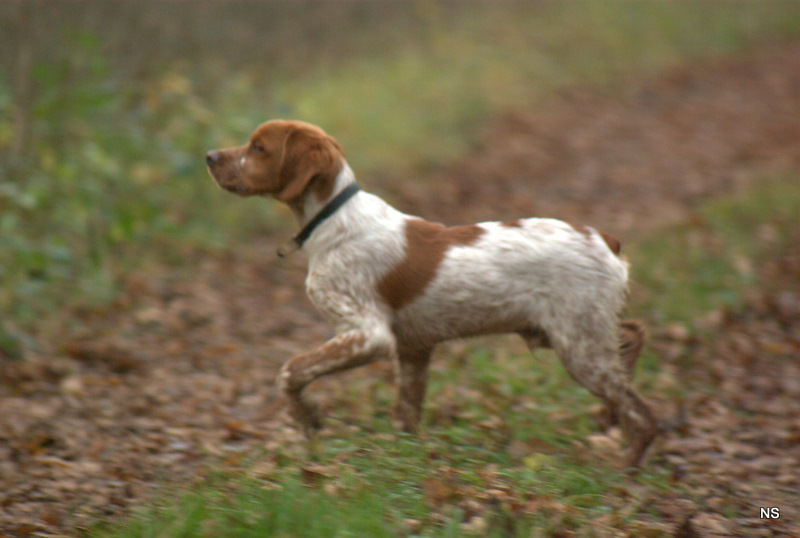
(212, 158)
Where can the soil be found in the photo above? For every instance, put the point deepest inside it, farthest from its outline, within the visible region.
(179, 373)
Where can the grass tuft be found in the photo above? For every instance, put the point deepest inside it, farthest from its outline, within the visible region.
(712, 262)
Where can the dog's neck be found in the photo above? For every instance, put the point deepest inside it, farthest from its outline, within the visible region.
(307, 207)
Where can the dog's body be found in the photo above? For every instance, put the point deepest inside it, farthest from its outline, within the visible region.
(394, 285)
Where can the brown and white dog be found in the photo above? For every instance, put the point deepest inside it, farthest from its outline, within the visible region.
(394, 285)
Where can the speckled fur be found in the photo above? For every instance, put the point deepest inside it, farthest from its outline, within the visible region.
(394, 286)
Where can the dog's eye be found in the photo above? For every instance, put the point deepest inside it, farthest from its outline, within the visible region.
(257, 148)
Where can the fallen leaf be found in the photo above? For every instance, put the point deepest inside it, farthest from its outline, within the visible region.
(534, 462)
(437, 491)
(708, 522)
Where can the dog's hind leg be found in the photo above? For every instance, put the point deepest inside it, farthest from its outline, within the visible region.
(603, 362)
(592, 359)
(632, 335)
(631, 340)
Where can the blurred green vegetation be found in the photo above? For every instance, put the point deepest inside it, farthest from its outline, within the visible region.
(712, 261)
(107, 108)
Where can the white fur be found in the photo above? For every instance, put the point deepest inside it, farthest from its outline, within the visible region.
(542, 273)
(349, 253)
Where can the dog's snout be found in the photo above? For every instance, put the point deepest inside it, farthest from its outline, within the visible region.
(212, 158)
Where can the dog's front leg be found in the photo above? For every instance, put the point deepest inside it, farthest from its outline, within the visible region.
(347, 350)
(412, 380)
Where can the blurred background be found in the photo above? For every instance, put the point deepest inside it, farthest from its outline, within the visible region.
(108, 107)
(672, 125)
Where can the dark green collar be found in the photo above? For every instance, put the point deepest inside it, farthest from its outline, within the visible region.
(330, 208)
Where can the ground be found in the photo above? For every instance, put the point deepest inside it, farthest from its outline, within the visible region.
(178, 374)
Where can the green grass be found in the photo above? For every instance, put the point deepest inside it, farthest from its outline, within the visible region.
(252, 509)
(376, 488)
(713, 261)
(372, 481)
(114, 178)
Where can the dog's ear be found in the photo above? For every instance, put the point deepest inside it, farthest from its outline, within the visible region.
(306, 155)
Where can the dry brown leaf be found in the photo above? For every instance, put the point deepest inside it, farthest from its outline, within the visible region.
(712, 523)
(438, 491)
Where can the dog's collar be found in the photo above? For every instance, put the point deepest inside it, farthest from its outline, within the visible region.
(296, 242)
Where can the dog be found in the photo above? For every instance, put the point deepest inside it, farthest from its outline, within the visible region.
(394, 285)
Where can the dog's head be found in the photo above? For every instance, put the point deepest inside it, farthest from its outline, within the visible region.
(284, 159)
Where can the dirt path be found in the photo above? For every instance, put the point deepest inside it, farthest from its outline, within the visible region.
(181, 370)
(632, 158)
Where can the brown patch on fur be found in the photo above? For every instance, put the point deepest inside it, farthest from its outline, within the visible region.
(512, 223)
(427, 243)
(585, 230)
(613, 243)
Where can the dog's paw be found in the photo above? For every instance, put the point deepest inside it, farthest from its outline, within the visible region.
(605, 417)
(307, 416)
(639, 445)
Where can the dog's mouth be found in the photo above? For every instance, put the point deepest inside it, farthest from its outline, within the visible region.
(235, 188)
(229, 184)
